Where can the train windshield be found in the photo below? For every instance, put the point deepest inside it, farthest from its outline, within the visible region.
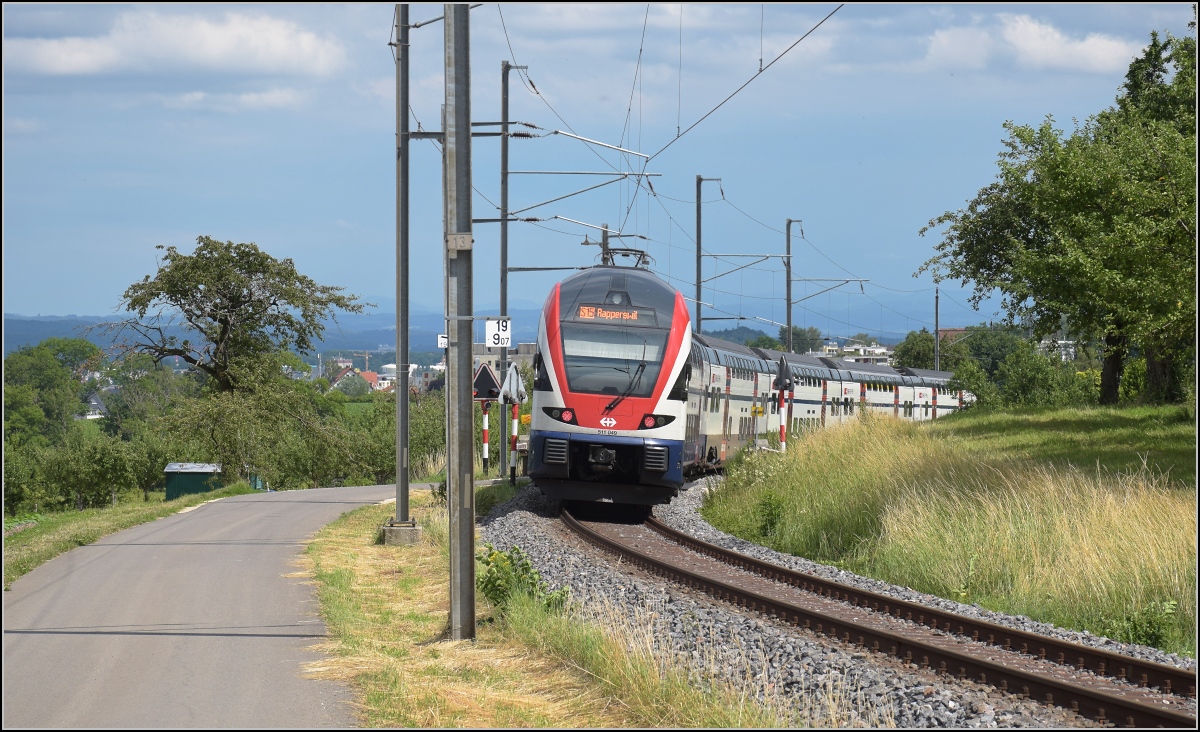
(608, 359)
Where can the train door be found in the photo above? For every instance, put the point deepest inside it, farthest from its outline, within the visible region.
(696, 393)
(754, 408)
(726, 419)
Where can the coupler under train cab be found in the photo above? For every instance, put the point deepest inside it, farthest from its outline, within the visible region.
(580, 467)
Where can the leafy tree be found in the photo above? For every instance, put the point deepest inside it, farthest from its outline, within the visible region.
(989, 344)
(916, 351)
(24, 420)
(43, 391)
(1097, 226)
(765, 341)
(236, 305)
(803, 339)
(76, 354)
(143, 390)
(971, 377)
(353, 386)
(22, 481)
(149, 454)
(88, 471)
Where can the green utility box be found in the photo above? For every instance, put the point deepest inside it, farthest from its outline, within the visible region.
(185, 478)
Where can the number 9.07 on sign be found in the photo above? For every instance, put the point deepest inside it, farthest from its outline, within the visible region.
(498, 333)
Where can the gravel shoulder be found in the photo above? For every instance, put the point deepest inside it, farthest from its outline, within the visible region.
(770, 659)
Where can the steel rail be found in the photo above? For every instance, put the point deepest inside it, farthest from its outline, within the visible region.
(1096, 704)
(1168, 679)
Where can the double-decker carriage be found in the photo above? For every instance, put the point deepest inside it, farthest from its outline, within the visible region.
(627, 402)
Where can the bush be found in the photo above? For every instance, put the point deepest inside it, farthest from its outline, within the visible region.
(1148, 626)
(1133, 380)
(970, 377)
(508, 574)
(1028, 378)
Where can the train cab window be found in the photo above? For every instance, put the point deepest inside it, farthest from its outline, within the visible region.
(679, 390)
(609, 359)
(541, 379)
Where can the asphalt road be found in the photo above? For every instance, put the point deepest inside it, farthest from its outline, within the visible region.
(187, 621)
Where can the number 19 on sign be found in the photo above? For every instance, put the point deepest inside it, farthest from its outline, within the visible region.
(498, 333)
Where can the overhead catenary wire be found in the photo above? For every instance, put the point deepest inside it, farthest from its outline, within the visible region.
(626, 133)
(527, 82)
(743, 86)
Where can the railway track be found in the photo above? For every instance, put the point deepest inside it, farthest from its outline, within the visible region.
(1103, 686)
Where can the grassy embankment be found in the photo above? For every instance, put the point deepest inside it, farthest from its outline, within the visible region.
(55, 533)
(386, 610)
(1082, 518)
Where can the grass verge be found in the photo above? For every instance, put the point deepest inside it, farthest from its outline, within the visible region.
(56, 533)
(386, 611)
(994, 509)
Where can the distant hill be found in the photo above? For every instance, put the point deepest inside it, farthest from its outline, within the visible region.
(368, 331)
(21, 330)
(740, 334)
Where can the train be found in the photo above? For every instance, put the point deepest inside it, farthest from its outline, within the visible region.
(628, 402)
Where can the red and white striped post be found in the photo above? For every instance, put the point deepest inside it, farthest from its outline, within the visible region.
(782, 423)
(485, 436)
(512, 449)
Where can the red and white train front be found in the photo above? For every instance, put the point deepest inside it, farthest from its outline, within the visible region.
(610, 388)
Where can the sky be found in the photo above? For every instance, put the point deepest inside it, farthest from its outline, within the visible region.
(131, 126)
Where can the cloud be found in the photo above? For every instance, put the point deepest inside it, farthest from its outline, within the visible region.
(1041, 45)
(21, 126)
(269, 99)
(151, 42)
(965, 48)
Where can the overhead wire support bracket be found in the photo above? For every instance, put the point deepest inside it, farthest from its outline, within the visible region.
(761, 258)
(600, 228)
(576, 193)
(440, 17)
(585, 172)
(735, 269)
(543, 269)
(827, 289)
(601, 144)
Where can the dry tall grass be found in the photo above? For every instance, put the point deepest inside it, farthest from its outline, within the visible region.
(386, 609)
(1088, 548)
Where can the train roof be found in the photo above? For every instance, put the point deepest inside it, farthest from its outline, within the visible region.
(826, 367)
(926, 373)
(866, 368)
(721, 345)
(772, 355)
(623, 287)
